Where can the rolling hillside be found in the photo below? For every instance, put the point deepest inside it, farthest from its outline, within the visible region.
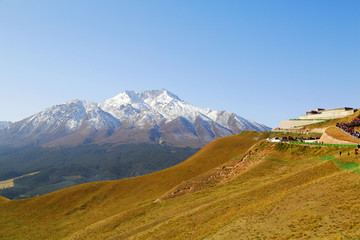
(2, 199)
(72, 209)
(238, 187)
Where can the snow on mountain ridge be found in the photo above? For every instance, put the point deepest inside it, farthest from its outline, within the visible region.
(163, 93)
(162, 104)
(72, 115)
(157, 115)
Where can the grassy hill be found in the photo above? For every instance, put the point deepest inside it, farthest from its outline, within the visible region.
(238, 187)
(340, 135)
(2, 199)
(61, 213)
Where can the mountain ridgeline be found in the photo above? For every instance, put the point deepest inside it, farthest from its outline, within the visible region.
(146, 117)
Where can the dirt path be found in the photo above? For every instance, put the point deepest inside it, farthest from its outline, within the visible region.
(326, 138)
(337, 136)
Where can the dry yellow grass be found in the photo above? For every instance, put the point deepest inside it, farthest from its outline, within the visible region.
(287, 193)
(3, 199)
(323, 209)
(284, 196)
(56, 215)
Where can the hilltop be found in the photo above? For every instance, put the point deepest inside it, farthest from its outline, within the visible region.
(236, 187)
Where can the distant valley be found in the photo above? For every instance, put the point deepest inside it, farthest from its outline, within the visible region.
(61, 167)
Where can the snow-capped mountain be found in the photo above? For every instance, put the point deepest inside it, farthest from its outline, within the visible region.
(59, 121)
(158, 105)
(4, 124)
(156, 116)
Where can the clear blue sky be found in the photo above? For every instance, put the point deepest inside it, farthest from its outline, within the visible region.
(264, 60)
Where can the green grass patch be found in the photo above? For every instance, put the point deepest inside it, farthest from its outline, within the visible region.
(350, 166)
(324, 144)
(309, 120)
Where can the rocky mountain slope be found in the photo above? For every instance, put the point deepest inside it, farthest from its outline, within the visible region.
(157, 116)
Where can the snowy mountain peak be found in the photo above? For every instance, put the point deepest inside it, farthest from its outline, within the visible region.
(69, 117)
(154, 106)
(139, 99)
(127, 97)
(162, 95)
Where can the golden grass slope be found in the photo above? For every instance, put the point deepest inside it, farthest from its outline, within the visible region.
(3, 199)
(286, 195)
(341, 135)
(280, 191)
(62, 213)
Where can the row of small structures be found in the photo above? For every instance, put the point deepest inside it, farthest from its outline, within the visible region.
(291, 139)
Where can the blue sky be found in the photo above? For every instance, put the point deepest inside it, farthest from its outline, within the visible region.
(264, 60)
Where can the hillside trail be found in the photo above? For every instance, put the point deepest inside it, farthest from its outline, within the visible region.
(326, 138)
(214, 177)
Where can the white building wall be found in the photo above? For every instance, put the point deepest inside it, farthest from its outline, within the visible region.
(332, 114)
(289, 124)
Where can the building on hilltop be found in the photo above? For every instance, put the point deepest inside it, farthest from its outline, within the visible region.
(315, 116)
(321, 113)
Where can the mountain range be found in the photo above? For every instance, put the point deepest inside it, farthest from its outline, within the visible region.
(156, 116)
